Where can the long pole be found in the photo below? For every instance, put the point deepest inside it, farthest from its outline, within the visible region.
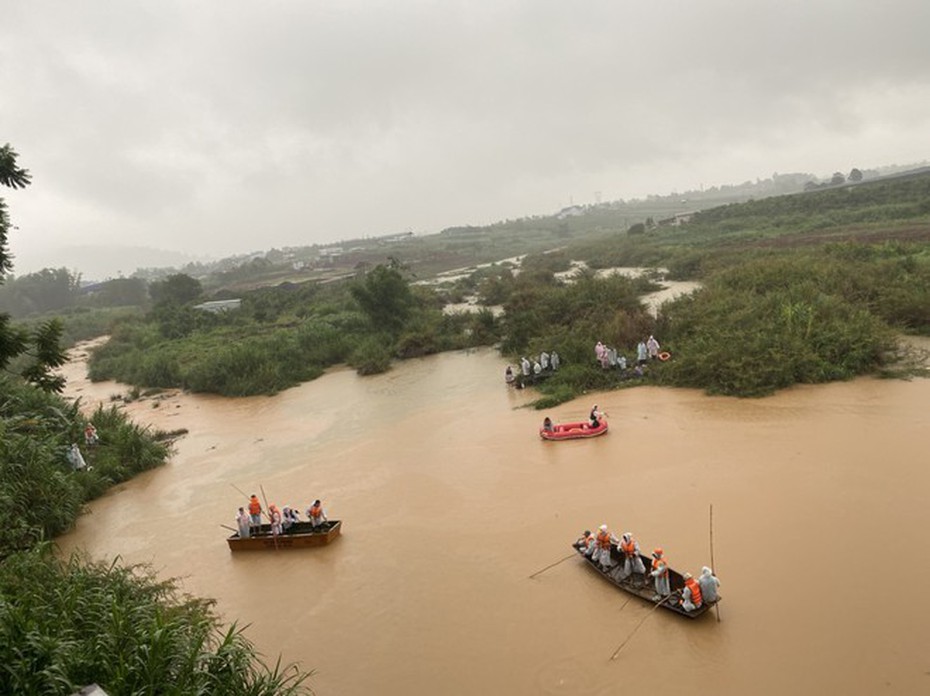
(713, 565)
(551, 565)
(270, 518)
(641, 621)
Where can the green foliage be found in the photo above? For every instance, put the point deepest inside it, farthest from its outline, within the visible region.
(177, 289)
(68, 623)
(372, 356)
(384, 296)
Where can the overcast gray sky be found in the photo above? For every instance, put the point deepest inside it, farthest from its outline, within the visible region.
(217, 127)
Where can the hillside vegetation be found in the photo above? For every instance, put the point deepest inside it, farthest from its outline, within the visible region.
(801, 288)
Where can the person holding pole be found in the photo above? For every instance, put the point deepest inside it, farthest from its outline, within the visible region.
(632, 563)
(660, 574)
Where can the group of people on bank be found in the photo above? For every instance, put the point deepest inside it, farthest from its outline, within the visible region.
(530, 371)
(647, 349)
(604, 549)
(281, 520)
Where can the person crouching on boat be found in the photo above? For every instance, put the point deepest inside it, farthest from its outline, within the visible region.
(255, 513)
(586, 543)
(602, 543)
(316, 514)
(547, 424)
(632, 563)
(244, 522)
(660, 574)
(691, 596)
(709, 585)
(287, 517)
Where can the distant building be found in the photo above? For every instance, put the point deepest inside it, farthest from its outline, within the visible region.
(676, 220)
(218, 306)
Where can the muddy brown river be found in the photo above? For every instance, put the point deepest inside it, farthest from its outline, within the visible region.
(450, 500)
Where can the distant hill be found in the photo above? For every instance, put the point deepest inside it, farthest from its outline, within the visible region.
(99, 262)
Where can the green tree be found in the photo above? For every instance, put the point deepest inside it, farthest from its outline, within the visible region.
(384, 295)
(177, 289)
(39, 347)
(855, 174)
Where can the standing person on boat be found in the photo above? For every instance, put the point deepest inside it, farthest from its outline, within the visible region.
(255, 513)
(602, 543)
(244, 522)
(595, 417)
(660, 574)
(632, 563)
(554, 360)
(316, 514)
(691, 596)
(642, 353)
(709, 585)
(277, 521)
(652, 346)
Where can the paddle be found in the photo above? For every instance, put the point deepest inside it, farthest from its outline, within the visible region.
(226, 526)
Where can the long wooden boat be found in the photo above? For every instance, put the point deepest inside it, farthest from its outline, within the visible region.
(644, 590)
(299, 535)
(573, 431)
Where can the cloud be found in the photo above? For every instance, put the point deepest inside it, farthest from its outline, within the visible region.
(223, 127)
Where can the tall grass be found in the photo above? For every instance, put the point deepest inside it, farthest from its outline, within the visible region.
(65, 624)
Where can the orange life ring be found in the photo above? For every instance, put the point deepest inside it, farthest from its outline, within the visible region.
(664, 355)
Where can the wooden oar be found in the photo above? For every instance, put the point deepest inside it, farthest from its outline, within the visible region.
(713, 566)
(551, 565)
(226, 526)
(641, 621)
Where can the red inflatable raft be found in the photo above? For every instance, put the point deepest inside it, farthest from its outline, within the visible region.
(572, 431)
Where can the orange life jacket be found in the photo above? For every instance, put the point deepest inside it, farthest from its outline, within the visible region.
(603, 540)
(255, 507)
(628, 547)
(656, 562)
(692, 585)
(316, 511)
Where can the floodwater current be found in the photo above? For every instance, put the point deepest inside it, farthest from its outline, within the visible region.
(450, 500)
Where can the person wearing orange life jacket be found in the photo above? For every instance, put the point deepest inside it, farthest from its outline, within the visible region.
(255, 513)
(586, 543)
(660, 574)
(602, 546)
(691, 596)
(316, 514)
(277, 521)
(632, 563)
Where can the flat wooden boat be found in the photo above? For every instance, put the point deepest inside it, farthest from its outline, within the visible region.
(299, 535)
(635, 584)
(573, 431)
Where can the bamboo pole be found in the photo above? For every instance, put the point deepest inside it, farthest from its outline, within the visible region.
(713, 566)
(270, 518)
(551, 565)
(641, 621)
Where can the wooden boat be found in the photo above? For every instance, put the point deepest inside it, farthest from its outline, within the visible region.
(635, 585)
(299, 535)
(572, 431)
